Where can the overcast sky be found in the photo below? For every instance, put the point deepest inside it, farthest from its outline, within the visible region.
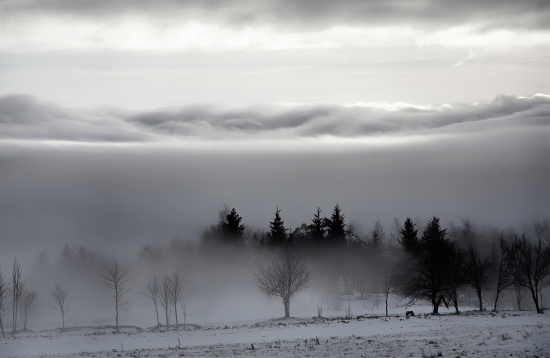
(126, 121)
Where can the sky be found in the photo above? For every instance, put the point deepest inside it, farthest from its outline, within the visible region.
(123, 122)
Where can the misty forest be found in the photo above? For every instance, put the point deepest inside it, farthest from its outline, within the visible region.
(454, 266)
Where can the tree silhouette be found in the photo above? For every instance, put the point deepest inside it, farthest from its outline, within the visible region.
(231, 228)
(317, 229)
(117, 281)
(27, 299)
(432, 263)
(477, 272)
(277, 235)
(336, 227)
(409, 236)
(4, 291)
(18, 285)
(455, 275)
(532, 266)
(59, 296)
(152, 292)
(378, 236)
(504, 267)
(285, 276)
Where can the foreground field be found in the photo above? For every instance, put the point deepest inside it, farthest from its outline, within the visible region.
(518, 334)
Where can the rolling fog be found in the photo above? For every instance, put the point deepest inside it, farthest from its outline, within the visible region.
(164, 176)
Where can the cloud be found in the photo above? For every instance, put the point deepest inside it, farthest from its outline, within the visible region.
(25, 118)
(172, 26)
(307, 13)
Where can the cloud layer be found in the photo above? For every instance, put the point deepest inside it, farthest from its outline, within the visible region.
(25, 118)
(308, 13)
(268, 25)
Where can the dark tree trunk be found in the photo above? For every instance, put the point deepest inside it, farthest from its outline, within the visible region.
(480, 301)
(455, 301)
(435, 304)
(157, 310)
(176, 312)
(287, 307)
(536, 300)
(496, 300)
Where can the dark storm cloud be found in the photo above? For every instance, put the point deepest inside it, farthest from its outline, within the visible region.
(25, 118)
(311, 13)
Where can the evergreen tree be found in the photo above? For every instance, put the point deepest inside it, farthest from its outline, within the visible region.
(336, 227)
(377, 236)
(231, 228)
(433, 236)
(317, 229)
(409, 236)
(429, 279)
(277, 235)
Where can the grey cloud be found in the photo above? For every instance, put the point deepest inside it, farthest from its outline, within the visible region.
(312, 13)
(23, 117)
(341, 121)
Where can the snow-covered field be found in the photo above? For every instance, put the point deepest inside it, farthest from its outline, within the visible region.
(518, 334)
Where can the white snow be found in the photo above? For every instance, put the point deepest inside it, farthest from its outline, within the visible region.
(470, 334)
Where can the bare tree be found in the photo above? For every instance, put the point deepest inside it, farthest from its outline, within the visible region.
(152, 292)
(59, 296)
(504, 265)
(176, 290)
(390, 281)
(27, 300)
(4, 291)
(285, 276)
(166, 297)
(18, 284)
(532, 266)
(478, 272)
(117, 281)
(183, 306)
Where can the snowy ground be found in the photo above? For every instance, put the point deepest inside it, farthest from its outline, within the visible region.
(517, 334)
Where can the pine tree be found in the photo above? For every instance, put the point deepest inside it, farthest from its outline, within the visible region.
(433, 235)
(231, 228)
(277, 236)
(409, 236)
(336, 227)
(378, 236)
(430, 273)
(317, 229)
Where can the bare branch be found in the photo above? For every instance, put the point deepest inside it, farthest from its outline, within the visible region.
(4, 291)
(285, 276)
(59, 295)
(152, 292)
(116, 280)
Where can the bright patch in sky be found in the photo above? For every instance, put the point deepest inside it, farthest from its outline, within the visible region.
(133, 33)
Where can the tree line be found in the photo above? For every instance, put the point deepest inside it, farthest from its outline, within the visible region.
(435, 265)
(438, 265)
